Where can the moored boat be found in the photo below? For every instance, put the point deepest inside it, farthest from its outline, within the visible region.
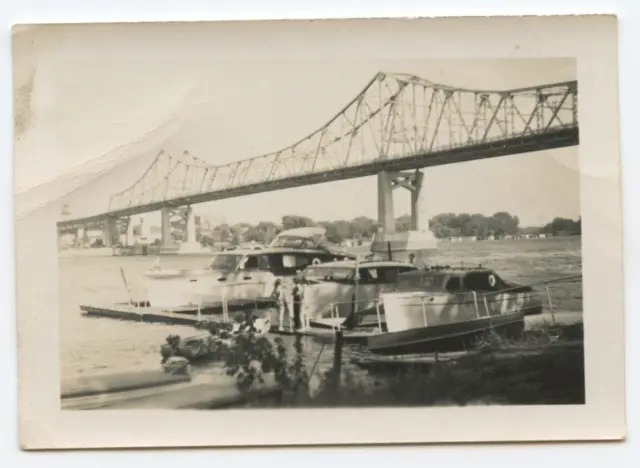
(449, 309)
(237, 280)
(335, 291)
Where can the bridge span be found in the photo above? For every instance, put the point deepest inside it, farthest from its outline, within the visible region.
(397, 122)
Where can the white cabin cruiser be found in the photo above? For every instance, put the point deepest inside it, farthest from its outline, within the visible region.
(447, 309)
(335, 291)
(242, 278)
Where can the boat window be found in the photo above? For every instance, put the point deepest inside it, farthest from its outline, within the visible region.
(368, 274)
(454, 285)
(341, 273)
(249, 263)
(225, 262)
(388, 274)
(315, 272)
(329, 273)
(264, 263)
(481, 281)
(295, 261)
(420, 281)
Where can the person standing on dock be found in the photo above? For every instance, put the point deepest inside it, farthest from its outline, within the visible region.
(281, 302)
(298, 296)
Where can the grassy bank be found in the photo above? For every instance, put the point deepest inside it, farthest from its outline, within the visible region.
(545, 366)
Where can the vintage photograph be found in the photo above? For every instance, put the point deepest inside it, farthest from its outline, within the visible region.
(311, 233)
(408, 241)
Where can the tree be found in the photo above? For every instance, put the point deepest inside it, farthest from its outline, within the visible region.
(403, 223)
(564, 227)
(294, 221)
(444, 225)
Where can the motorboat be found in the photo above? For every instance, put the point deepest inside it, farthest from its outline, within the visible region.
(449, 309)
(334, 291)
(239, 279)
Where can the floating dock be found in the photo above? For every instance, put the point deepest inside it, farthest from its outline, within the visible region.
(185, 315)
(325, 334)
(141, 314)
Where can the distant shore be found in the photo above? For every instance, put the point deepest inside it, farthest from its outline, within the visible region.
(107, 251)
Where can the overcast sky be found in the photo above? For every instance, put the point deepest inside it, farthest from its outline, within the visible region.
(95, 98)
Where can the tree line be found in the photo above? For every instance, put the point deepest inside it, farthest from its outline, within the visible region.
(444, 225)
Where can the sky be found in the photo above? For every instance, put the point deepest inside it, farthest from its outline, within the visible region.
(95, 107)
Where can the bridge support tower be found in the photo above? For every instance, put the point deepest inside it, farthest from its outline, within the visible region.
(419, 238)
(111, 232)
(184, 220)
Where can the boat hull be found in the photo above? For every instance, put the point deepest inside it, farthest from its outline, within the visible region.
(448, 337)
(171, 289)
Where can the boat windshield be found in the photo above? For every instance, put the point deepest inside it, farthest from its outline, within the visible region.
(296, 242)
(328, 273)
(225, 261)
(420, 281)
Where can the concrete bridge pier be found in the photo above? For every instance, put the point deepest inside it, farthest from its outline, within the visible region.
(191, 226)
(130, 238)
(419, 237)
(165, 227)
(81, 237)
(190, 243)
(386, 218)
(110, 231)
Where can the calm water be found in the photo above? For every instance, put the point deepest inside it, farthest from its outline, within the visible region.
(100, 345)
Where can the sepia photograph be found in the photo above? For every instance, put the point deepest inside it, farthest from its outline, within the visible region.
(305, 233)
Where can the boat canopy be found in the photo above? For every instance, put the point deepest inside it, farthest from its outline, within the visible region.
(308, 238)
(302, 238)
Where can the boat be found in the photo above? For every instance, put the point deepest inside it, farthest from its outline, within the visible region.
(335, 291)
(456, 280)
(241, 279)
(444, 309)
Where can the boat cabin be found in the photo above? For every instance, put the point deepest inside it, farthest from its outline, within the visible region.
(289, 253)
(243, 274)
(336, 289)
(279, 261)
(348, 272)
(452, 280)
(445, 295)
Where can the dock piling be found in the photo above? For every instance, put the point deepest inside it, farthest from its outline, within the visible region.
(337, 360)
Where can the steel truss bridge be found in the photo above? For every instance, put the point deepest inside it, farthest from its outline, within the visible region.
(397, 122)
